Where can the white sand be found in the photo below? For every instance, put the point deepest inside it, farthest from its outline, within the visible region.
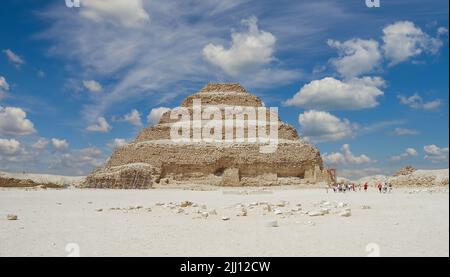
(399, 224)
(45, 178)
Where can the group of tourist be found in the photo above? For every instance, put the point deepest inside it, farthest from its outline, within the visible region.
(383, 187)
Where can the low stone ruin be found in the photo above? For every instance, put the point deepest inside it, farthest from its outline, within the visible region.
(407, 170)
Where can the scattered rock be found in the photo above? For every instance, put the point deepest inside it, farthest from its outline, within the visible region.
(212, 212)
(159, 204)
(225, 218)
(11, 217)
(315, 213)
(243, 212)
(205, 214)
(310, 223)
(278, 212)
(282, 203)
(345, 213)
(267, 208)
(365, 207)
(99, 210)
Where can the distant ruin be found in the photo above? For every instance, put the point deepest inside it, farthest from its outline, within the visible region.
(155, 158)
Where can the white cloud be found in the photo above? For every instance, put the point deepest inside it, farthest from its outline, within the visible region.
(9, 146)
(4, 86)
(332, 94)
(356, 56)
(133, 117)
(436, 154)
(101, 126)
(248, 50)
(405, 132)
(130, 13)
(13, 57)
(117, 142)
(13, 121)
(40, 144)
(403, 40)
(12, 151)
(164, 58)
(345, 157)
(79, 161)
(60, 144)
(442, 31)
(92, 85)
(409, 152)
(416, 102)
(322, 126)
(155, 115)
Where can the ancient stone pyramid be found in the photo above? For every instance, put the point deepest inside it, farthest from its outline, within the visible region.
(155, 158)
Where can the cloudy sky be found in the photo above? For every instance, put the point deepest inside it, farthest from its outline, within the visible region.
(368, 86)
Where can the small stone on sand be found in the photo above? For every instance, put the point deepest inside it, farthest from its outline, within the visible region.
(11, 217)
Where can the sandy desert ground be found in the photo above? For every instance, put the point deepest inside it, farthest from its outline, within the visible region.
(407, 222)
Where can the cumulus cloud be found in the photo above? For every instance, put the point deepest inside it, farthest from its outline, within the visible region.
(322, 126)
(133, 117)
(92, 85)
(13, 122)
(404, 40)
(60, 144)
(409, 152)
(101, 126)
(13, 57)
(130, 13)
(356, 56)
(79, 161)
(436, 154)
(416, 102)
(442, 31)
(155, 114)
(404, 132)
(40, 144)
(117, 142)
(346, 157)
(9, 146)
(249, 49)
(332, 94)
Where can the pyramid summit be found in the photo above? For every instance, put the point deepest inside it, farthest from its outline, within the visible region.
(212, 151)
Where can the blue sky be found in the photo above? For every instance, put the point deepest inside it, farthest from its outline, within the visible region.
(368, 86)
